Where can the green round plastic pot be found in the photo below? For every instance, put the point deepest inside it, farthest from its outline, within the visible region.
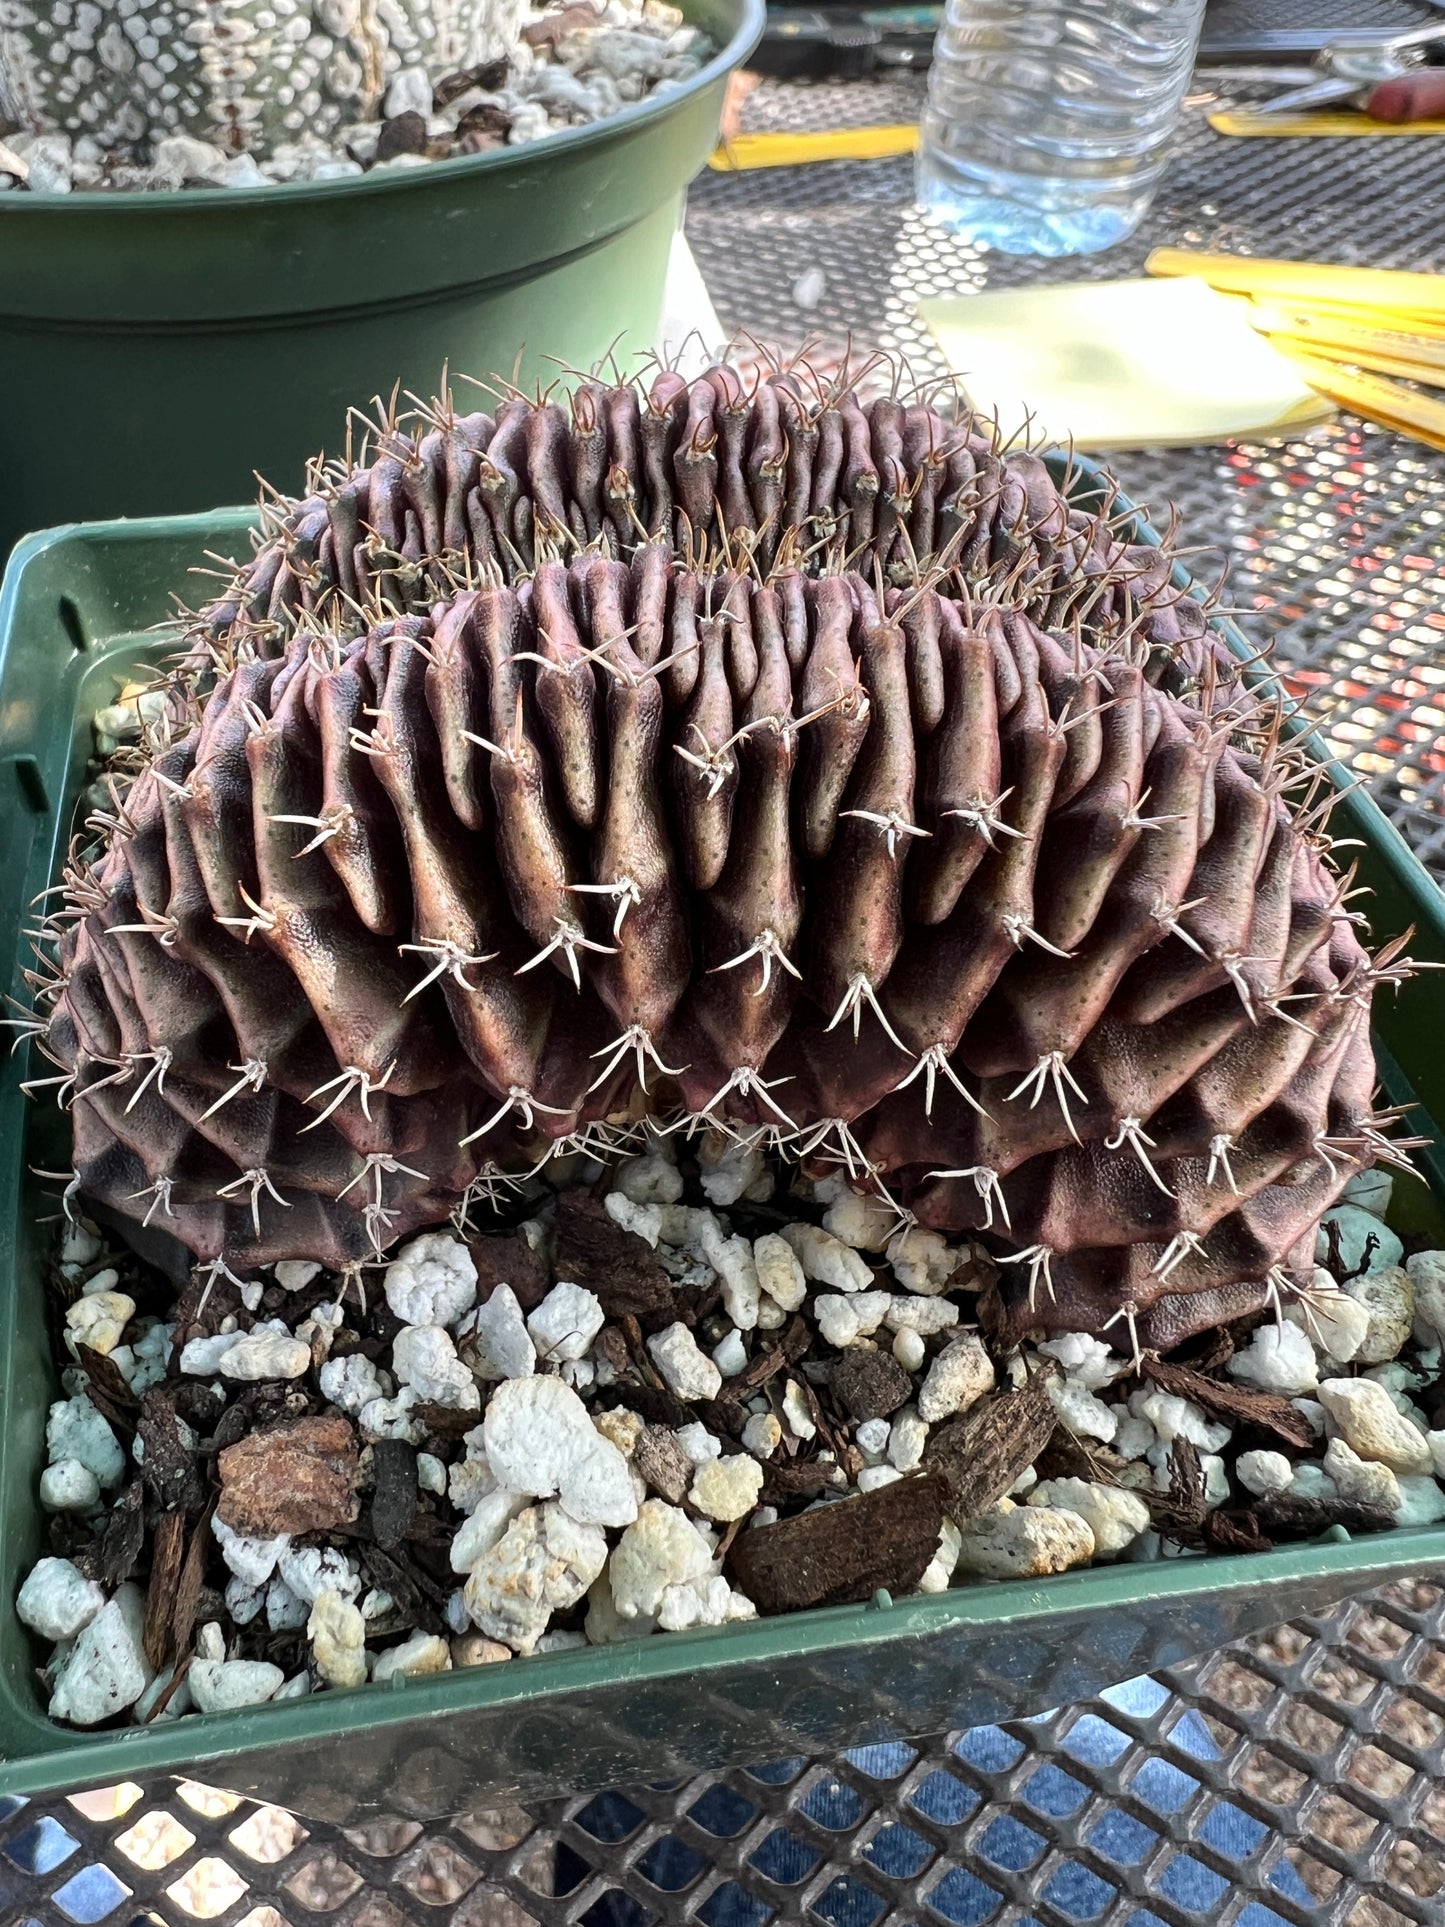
(160, 350)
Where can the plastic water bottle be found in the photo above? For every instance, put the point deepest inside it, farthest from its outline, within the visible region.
(1048, 121)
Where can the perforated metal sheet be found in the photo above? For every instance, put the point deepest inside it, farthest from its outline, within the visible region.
(1293, 1778)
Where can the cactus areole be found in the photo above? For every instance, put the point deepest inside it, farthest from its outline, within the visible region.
(716, 756)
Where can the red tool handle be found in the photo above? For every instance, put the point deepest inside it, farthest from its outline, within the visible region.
(1418, 96)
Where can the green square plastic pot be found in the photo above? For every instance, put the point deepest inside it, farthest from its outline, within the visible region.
(74, 610)
(161, 350)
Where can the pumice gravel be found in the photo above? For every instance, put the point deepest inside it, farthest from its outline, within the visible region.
(768, 1394)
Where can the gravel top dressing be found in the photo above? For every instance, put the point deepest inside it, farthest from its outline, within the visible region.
(686, 1389)
(572, 64)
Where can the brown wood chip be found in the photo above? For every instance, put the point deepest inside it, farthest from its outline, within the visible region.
(445, 1422)
(793, 1341)
(838, 1554)
(870, 1384)
(1241, 1404)
(108, 1391)
(300, 1477)
(122, 1536)
(981, 1453)
(172, 1471)
(618, 1266)
(1180, 1512)
(1289, 1518)
(505, 1258)
(1234, 1532)
(787, 1480)
(191, 1584)
(663, 1463)
(168, 1550)
(417, 1595)
(394, 1494)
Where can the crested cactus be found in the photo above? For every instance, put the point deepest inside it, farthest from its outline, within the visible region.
(764, 762)
(244, 77)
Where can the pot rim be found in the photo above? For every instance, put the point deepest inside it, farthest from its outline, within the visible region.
(150, 205)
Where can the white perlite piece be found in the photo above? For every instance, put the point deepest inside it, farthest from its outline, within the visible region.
(485, 1524)
(540, 1440)
(251, 1560)
(687, 1372)
(98, 1319)
(907, 1437)
(1388, 1297)
(926, 1316)
(958, 1378)
(423, 1653)
(871, 1439)
(201, 1357)
(922, 1260)
(75, 1430)
(1362, 1480)
(425, 1358)
(661, 1548)
(1334, 1322)
(762, 1435)
(872, 1477)
(337, 1633)
(1422, 1503)
(105, 1670)
(295, 1274)
(861, 1219)
(352, 1382)
(391, 1418)
(729, 1168)
(703, 1602)
(69, 1486)
(732, 1260)
(730, 1355)
(501, 1345)
(1278, 1358)
(262, 1355)
(543, 1564)
(1174, 1417)
(1024, 1542)
(796, 1411)
(939, 1571)
(727, 1488)
(565, 1323)
(1083, 1414)
(838, 1323)
(1370, 1191)
(221, 1685)
(780, 1276)
(698, 1443)
(1115, 1516)
(827, 1259)
(312, 1570)
(643, 1220)
(1370, 1423)
(1426, 1272)
(1085, 1359)
(1263, 1473)
(432, 1281)
(653, 1179)
(909, 1350)
(57, 1601)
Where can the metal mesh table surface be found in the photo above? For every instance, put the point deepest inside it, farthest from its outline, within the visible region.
(1294, 1778)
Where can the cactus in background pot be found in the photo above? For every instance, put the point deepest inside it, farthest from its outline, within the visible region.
(243, 77)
